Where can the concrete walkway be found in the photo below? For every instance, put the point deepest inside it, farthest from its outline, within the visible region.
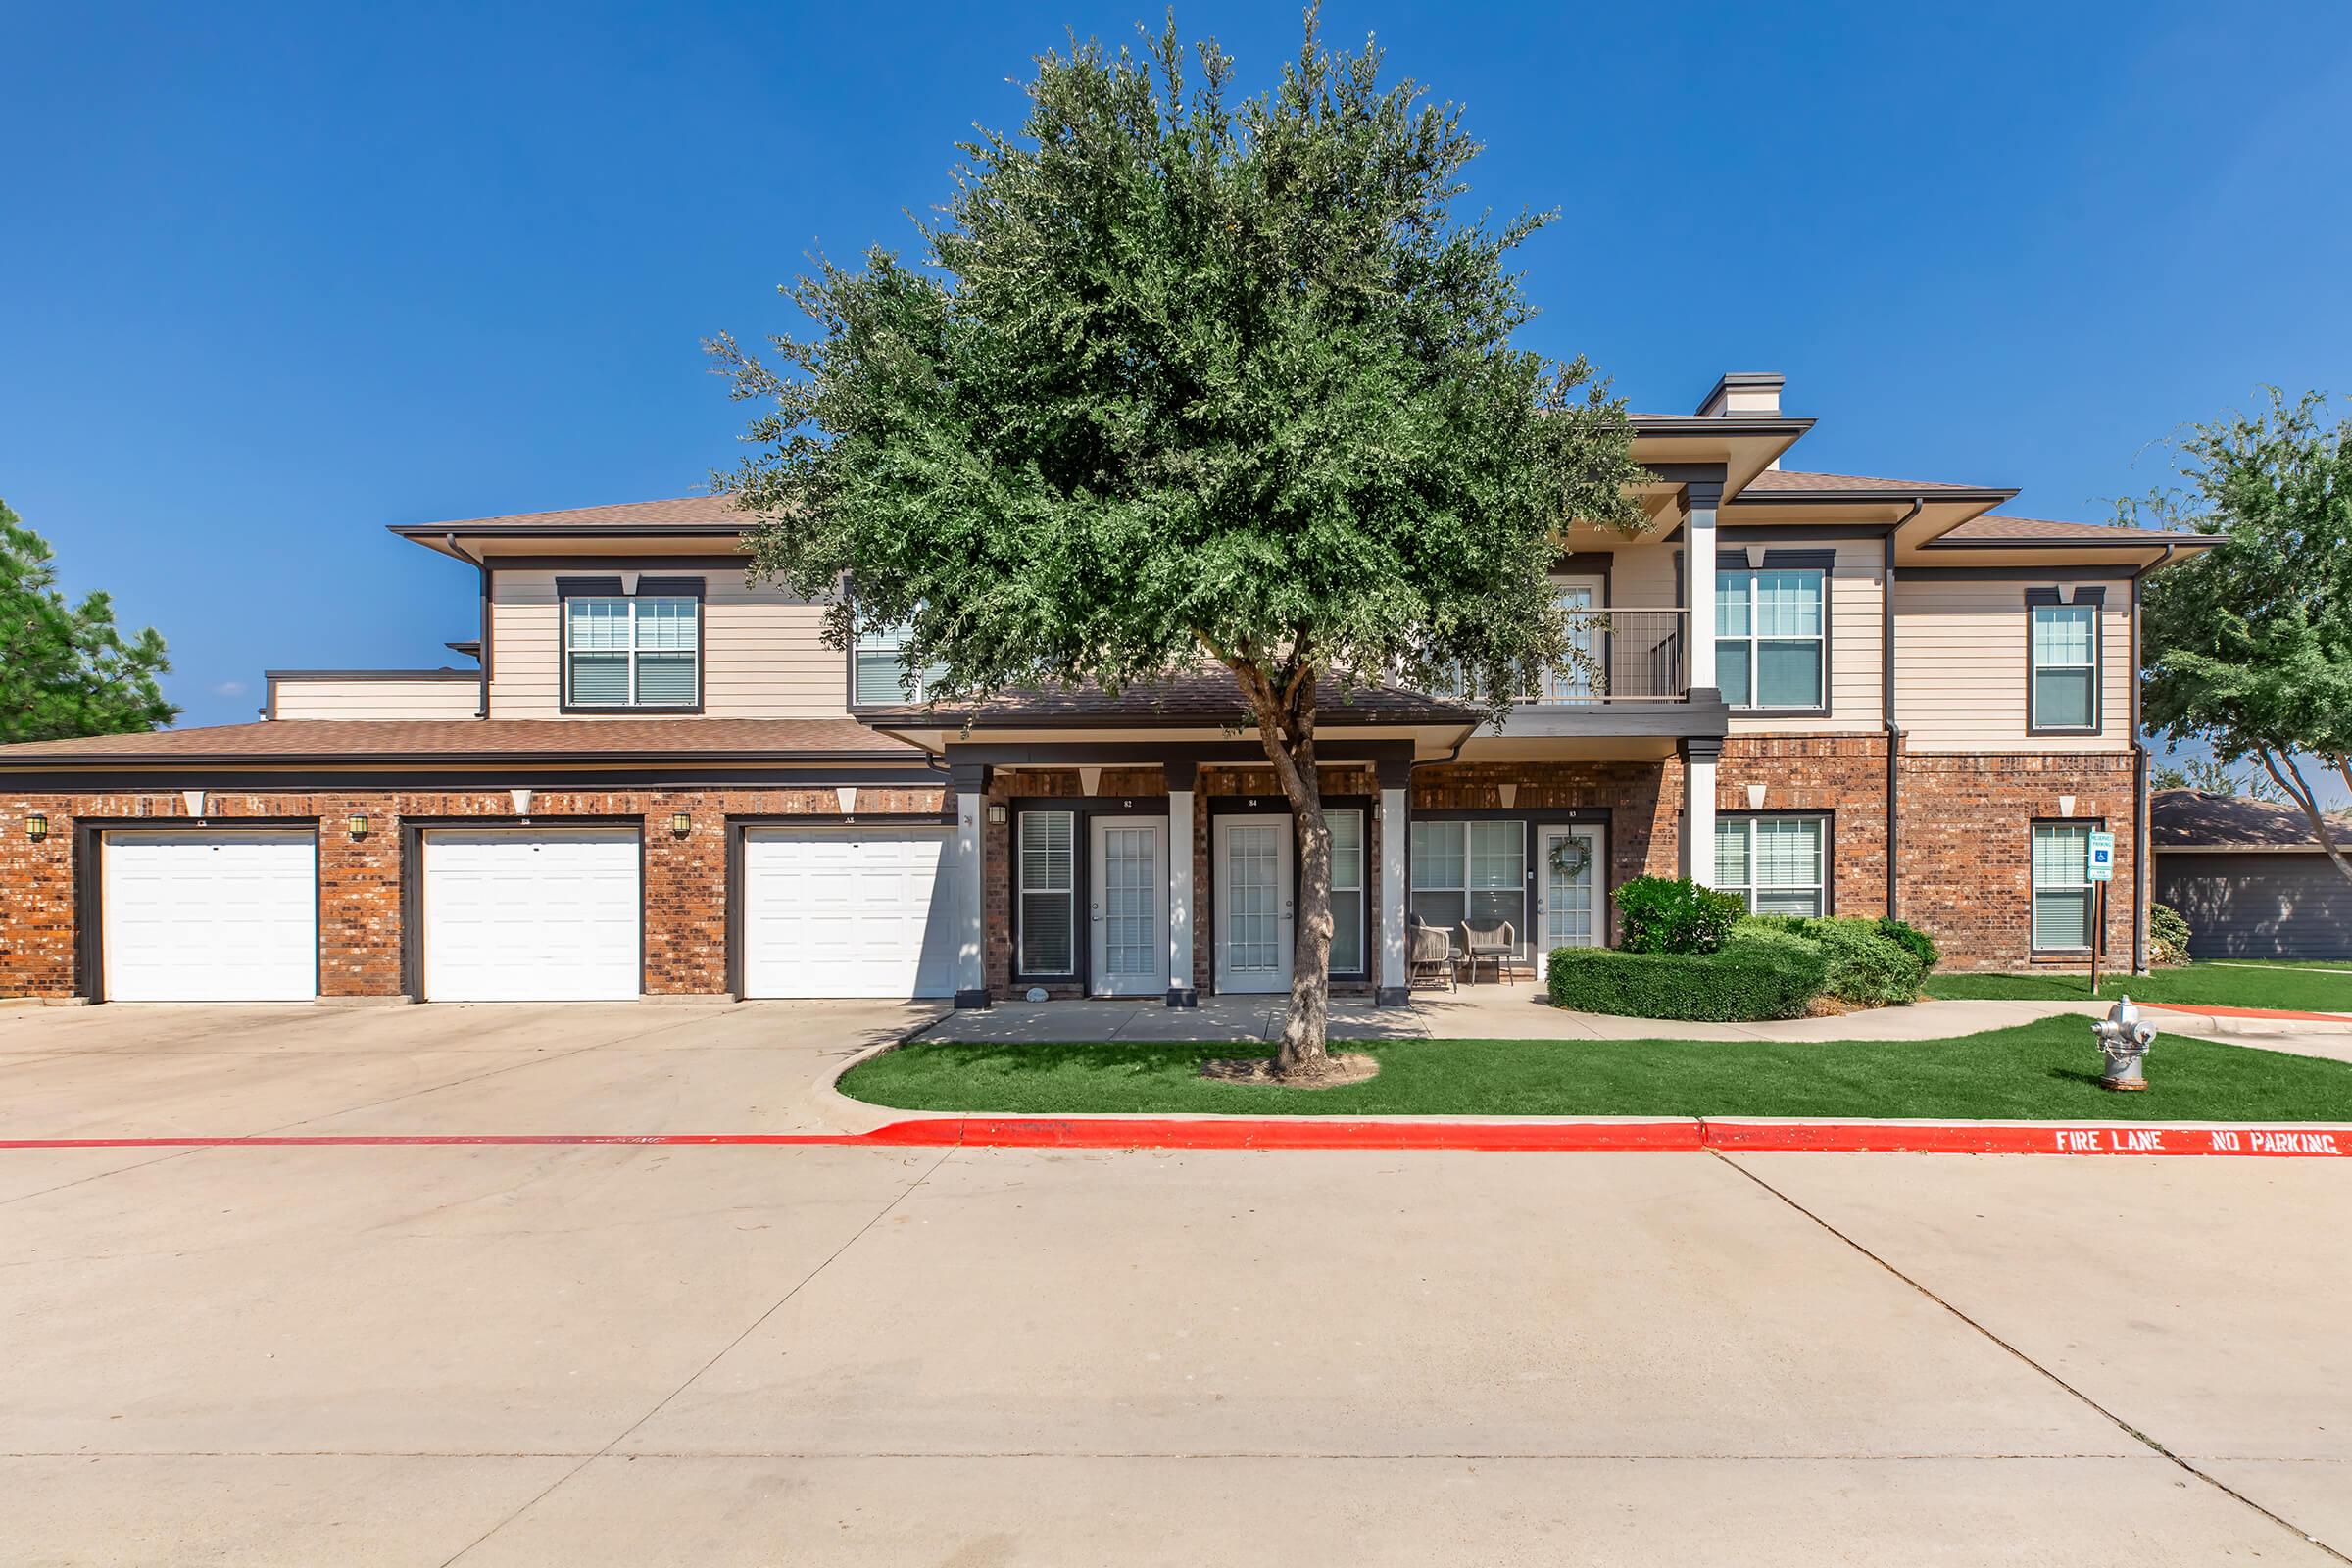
(1519, 1012)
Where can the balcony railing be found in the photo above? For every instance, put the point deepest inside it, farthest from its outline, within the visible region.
(1623, 656)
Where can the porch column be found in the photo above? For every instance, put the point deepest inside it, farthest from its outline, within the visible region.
(1699, 754)
(969, 781)
(1699, 582)
(1181, 778)
(1394, 779)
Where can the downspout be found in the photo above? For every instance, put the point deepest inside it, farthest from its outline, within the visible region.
(1894, 732)
(482, 709)
(2143, 842)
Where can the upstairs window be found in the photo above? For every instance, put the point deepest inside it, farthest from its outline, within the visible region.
(1769, 642)
(632, 651)
(878, 672)
(2064, 646)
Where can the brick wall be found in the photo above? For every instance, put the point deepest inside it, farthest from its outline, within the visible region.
(359, 935)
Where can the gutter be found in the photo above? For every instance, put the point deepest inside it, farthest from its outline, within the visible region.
(1894, 731)
(2143, 847)
(482, 709)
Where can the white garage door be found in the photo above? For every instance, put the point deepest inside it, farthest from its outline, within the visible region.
(209, 915)
(525, 915)
(847, 912)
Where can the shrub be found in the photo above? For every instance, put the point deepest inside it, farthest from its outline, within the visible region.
(1866, 966)
(2167, 936)
(1675, 914)
(1754, 974)
(1912, 939)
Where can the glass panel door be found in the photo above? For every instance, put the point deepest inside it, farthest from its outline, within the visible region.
(1252, 868)
(1129, 909)
(1570, 863)
(1587, 638)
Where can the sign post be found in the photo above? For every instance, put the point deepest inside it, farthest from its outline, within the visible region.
(2099, 872)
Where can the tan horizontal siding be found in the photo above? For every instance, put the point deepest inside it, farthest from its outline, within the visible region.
(763, 656)
(1960, 667)
(302, 698)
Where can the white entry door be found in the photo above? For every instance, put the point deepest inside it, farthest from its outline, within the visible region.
(1568, 860)
(531, 914)
(1585, 676)
(1251, 860)
(1128, 912)
(848, 911)
(211, 915)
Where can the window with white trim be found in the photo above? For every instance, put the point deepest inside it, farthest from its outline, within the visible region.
(1778, 865)
(1468, 871)
(1347, 891)
(2061, 888)
(878, 672)
(1048, 864)
(2065, 643)
(621, 652)
(1769, 641)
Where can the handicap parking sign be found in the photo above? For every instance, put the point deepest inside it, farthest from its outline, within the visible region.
(2102, 858)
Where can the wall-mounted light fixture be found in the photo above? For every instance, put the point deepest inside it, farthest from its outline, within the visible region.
(996, 813)
(359, 826)
(36, 827)
(681, 823)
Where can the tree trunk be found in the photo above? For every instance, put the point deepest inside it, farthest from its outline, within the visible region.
(1286, 726)
(2291, 780)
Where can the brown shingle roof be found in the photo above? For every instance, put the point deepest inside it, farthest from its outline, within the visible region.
(2183, 818)
(2037, 530)
(550, 740)
(1203, 697)
(693, 512)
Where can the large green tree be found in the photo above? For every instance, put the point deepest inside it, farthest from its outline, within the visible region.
(2248, 645)
(1180, 378)
(66, 669)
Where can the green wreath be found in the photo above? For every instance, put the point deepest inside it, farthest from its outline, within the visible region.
(1571, 855)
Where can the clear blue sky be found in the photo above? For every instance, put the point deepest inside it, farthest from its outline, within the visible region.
(272, 279)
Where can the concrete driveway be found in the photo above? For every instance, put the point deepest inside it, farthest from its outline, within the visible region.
(759, 1355)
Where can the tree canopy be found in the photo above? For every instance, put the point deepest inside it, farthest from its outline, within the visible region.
(66, 669)
(2249, 643)
(1180, 376)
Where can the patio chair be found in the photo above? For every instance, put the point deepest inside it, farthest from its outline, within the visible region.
(1428, 953)
(1494, 942)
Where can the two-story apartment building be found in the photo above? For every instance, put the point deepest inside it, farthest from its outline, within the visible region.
(1827, 693)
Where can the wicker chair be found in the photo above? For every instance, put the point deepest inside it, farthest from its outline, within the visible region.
(1494, 942)
(1428, 953)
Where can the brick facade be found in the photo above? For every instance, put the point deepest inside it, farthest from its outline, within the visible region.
(1965, 841)
(360, 907)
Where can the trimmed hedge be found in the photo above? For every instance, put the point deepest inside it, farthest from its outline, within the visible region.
(1920, 946)
(1675, 914)
(1755, 974)
(1866, 966)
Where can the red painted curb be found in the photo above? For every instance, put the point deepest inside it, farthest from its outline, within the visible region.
(1317, 1133)
(2245, 1012)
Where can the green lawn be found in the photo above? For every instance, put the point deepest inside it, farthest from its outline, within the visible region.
(2301, 987)
(2046, 1070)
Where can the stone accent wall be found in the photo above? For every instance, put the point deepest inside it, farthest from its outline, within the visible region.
(360, 921)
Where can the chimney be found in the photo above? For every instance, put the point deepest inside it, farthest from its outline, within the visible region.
(1745, 393)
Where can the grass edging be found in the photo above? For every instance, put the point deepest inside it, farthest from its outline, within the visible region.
(2046, 1071)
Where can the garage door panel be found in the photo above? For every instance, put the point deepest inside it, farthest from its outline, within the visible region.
(209, 915)
(848, 912)
(531, 915)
